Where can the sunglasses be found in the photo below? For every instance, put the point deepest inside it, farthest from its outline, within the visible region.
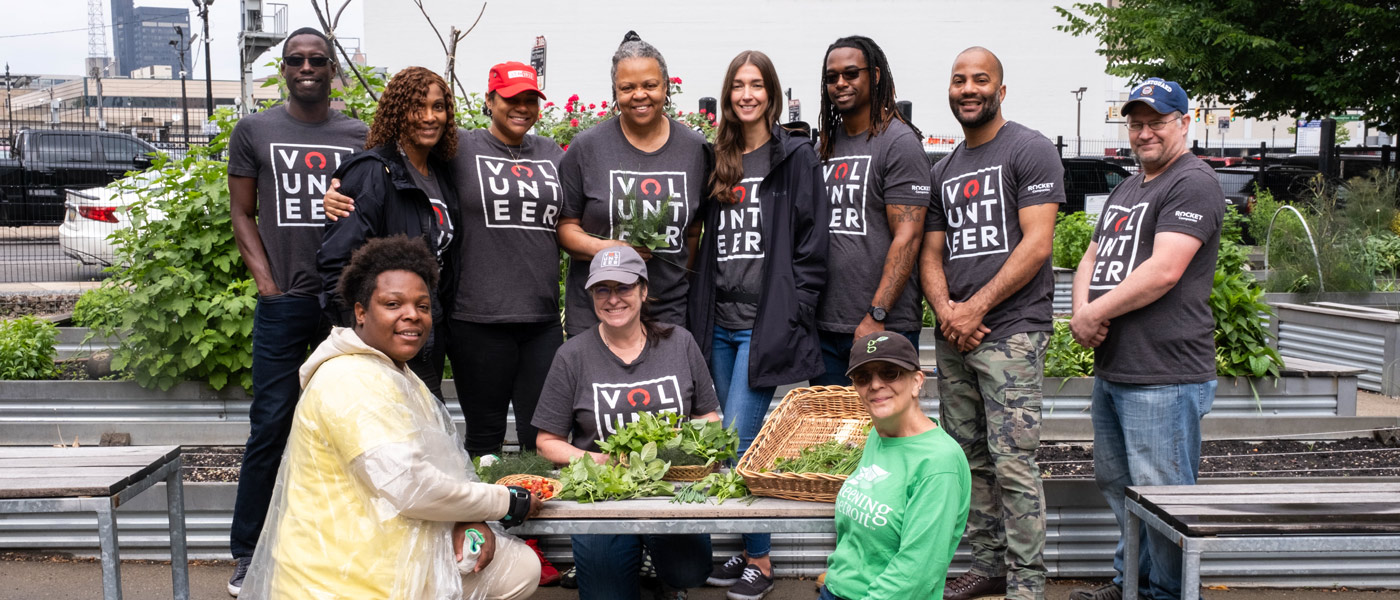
(602, 292)
(297, 61)
(887, 374)
(851, 75)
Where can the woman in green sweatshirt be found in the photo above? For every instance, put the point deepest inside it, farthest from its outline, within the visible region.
(900, 515)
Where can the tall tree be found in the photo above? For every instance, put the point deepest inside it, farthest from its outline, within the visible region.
(1269, 58)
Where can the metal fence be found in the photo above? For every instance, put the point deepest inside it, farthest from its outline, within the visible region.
(55, 210)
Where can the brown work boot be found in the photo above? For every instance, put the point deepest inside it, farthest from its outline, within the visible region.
(971, 586)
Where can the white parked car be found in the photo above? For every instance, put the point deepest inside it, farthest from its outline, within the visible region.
(92, 214)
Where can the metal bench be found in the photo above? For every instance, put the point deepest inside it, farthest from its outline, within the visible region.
(1273, 517)
(97, 479)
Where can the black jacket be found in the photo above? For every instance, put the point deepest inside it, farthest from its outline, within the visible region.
(784, 348)
(387, 202)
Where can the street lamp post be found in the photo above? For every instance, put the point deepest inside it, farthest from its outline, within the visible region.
(1078, 117)
(184, 100)
(9, 111)
(203, 6)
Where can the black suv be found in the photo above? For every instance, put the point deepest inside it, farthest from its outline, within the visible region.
(1287, 183)
(42, 164)
(1089, 177)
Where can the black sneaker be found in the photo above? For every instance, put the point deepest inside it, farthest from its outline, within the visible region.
(569, 579)
(728, 573)
(240, 570)
(970, 586)
(1105, 592)
(752, 585)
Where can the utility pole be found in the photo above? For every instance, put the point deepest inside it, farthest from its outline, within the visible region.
(184, 100)
(1078, 116)
(203, 6)
(9, 112)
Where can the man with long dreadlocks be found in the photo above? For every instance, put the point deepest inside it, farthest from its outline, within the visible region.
(877, 180)
(985, 269)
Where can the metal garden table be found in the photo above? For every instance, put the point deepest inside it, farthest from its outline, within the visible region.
(660, 516)
(98, 479)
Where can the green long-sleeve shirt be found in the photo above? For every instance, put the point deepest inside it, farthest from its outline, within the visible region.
(899, 518)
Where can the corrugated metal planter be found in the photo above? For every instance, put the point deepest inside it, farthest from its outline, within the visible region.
(1061, 302)
(1343, 334)
(1080, 539)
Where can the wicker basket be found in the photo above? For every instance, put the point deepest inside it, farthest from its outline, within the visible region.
(554, 484)
(806, 417)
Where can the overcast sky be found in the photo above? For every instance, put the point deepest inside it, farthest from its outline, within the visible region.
(50, 36)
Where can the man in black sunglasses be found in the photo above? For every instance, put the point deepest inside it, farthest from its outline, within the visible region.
(877, 183)
(985, 269)
(280, 163)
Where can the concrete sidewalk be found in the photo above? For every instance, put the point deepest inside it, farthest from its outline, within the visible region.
(146, 580)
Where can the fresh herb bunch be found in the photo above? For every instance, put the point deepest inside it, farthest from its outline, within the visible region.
(830, 457)
(722, 486)
(523, 463)
(711, 441)
(640, 227)
(1065, 357)
(1073, 231)
(586, 481)
(679, 458)
(650, 427)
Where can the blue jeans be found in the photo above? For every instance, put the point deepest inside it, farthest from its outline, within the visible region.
(284, 329)
(744, 407)
(1148, 435)
(825, 594)
(836, 355)
(608, 564)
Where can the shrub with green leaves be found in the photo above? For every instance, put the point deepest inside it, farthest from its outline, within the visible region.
(1064, 357)
(189, 312)
(27, 348)
(1241, 336)
(1073, 232)
(100, 307)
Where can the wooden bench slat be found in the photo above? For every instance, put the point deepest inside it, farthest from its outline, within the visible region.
(96, 453)
(1253, 511)
(1318, 501)
(1269, 488)
(73, 461)
(57, 488)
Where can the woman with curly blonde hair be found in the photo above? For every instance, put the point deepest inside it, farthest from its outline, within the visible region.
(402, 185)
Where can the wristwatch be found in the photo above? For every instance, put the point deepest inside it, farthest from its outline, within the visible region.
(519, 506)
(878, 313)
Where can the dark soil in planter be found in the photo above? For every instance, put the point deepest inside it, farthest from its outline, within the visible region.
(1355, 457)
(46, 305)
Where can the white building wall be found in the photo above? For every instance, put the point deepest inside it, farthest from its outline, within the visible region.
(698, 40)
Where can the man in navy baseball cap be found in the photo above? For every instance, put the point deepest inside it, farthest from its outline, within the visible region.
(1165, 97)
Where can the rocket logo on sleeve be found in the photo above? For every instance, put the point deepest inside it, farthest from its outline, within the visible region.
(846, 179)
(739, 233)
(655, 192)
(1120, 237)
(975, 206)
(519, 194)
(302, 173)
(616, 404)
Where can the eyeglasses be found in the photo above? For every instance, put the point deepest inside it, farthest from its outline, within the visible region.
(297, 61)
(887, 374)
(602, 292)
(850, 75)
(1153, 125)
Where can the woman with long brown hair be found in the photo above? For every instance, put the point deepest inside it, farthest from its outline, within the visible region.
(402, 185)
(760, 270)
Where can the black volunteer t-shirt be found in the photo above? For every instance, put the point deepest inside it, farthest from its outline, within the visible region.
(978, 195)
(590, 392)
(739, 239)
(511, 200)
(1172, 339)
(293, 162)
(443, 227)
(600, 172)
(862, 177)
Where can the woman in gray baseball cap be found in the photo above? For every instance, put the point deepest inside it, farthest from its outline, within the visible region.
(900, 515)
(605, 377)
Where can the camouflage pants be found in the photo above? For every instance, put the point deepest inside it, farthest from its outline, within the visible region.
(989, 401)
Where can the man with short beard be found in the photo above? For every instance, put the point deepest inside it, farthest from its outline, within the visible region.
(985, 268)
(280, 162)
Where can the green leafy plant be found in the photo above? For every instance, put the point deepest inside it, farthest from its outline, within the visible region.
(1241, 336)
(722, 486)
(561, 124)
(100, 307)
(1073, 232)
(587, 481)
(189, 313)
(710, 441)
(641, 227)
(522, 463)
(657, 428)
(27, 348)
(831, 457)
(1064, 357)
(1382, 253)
